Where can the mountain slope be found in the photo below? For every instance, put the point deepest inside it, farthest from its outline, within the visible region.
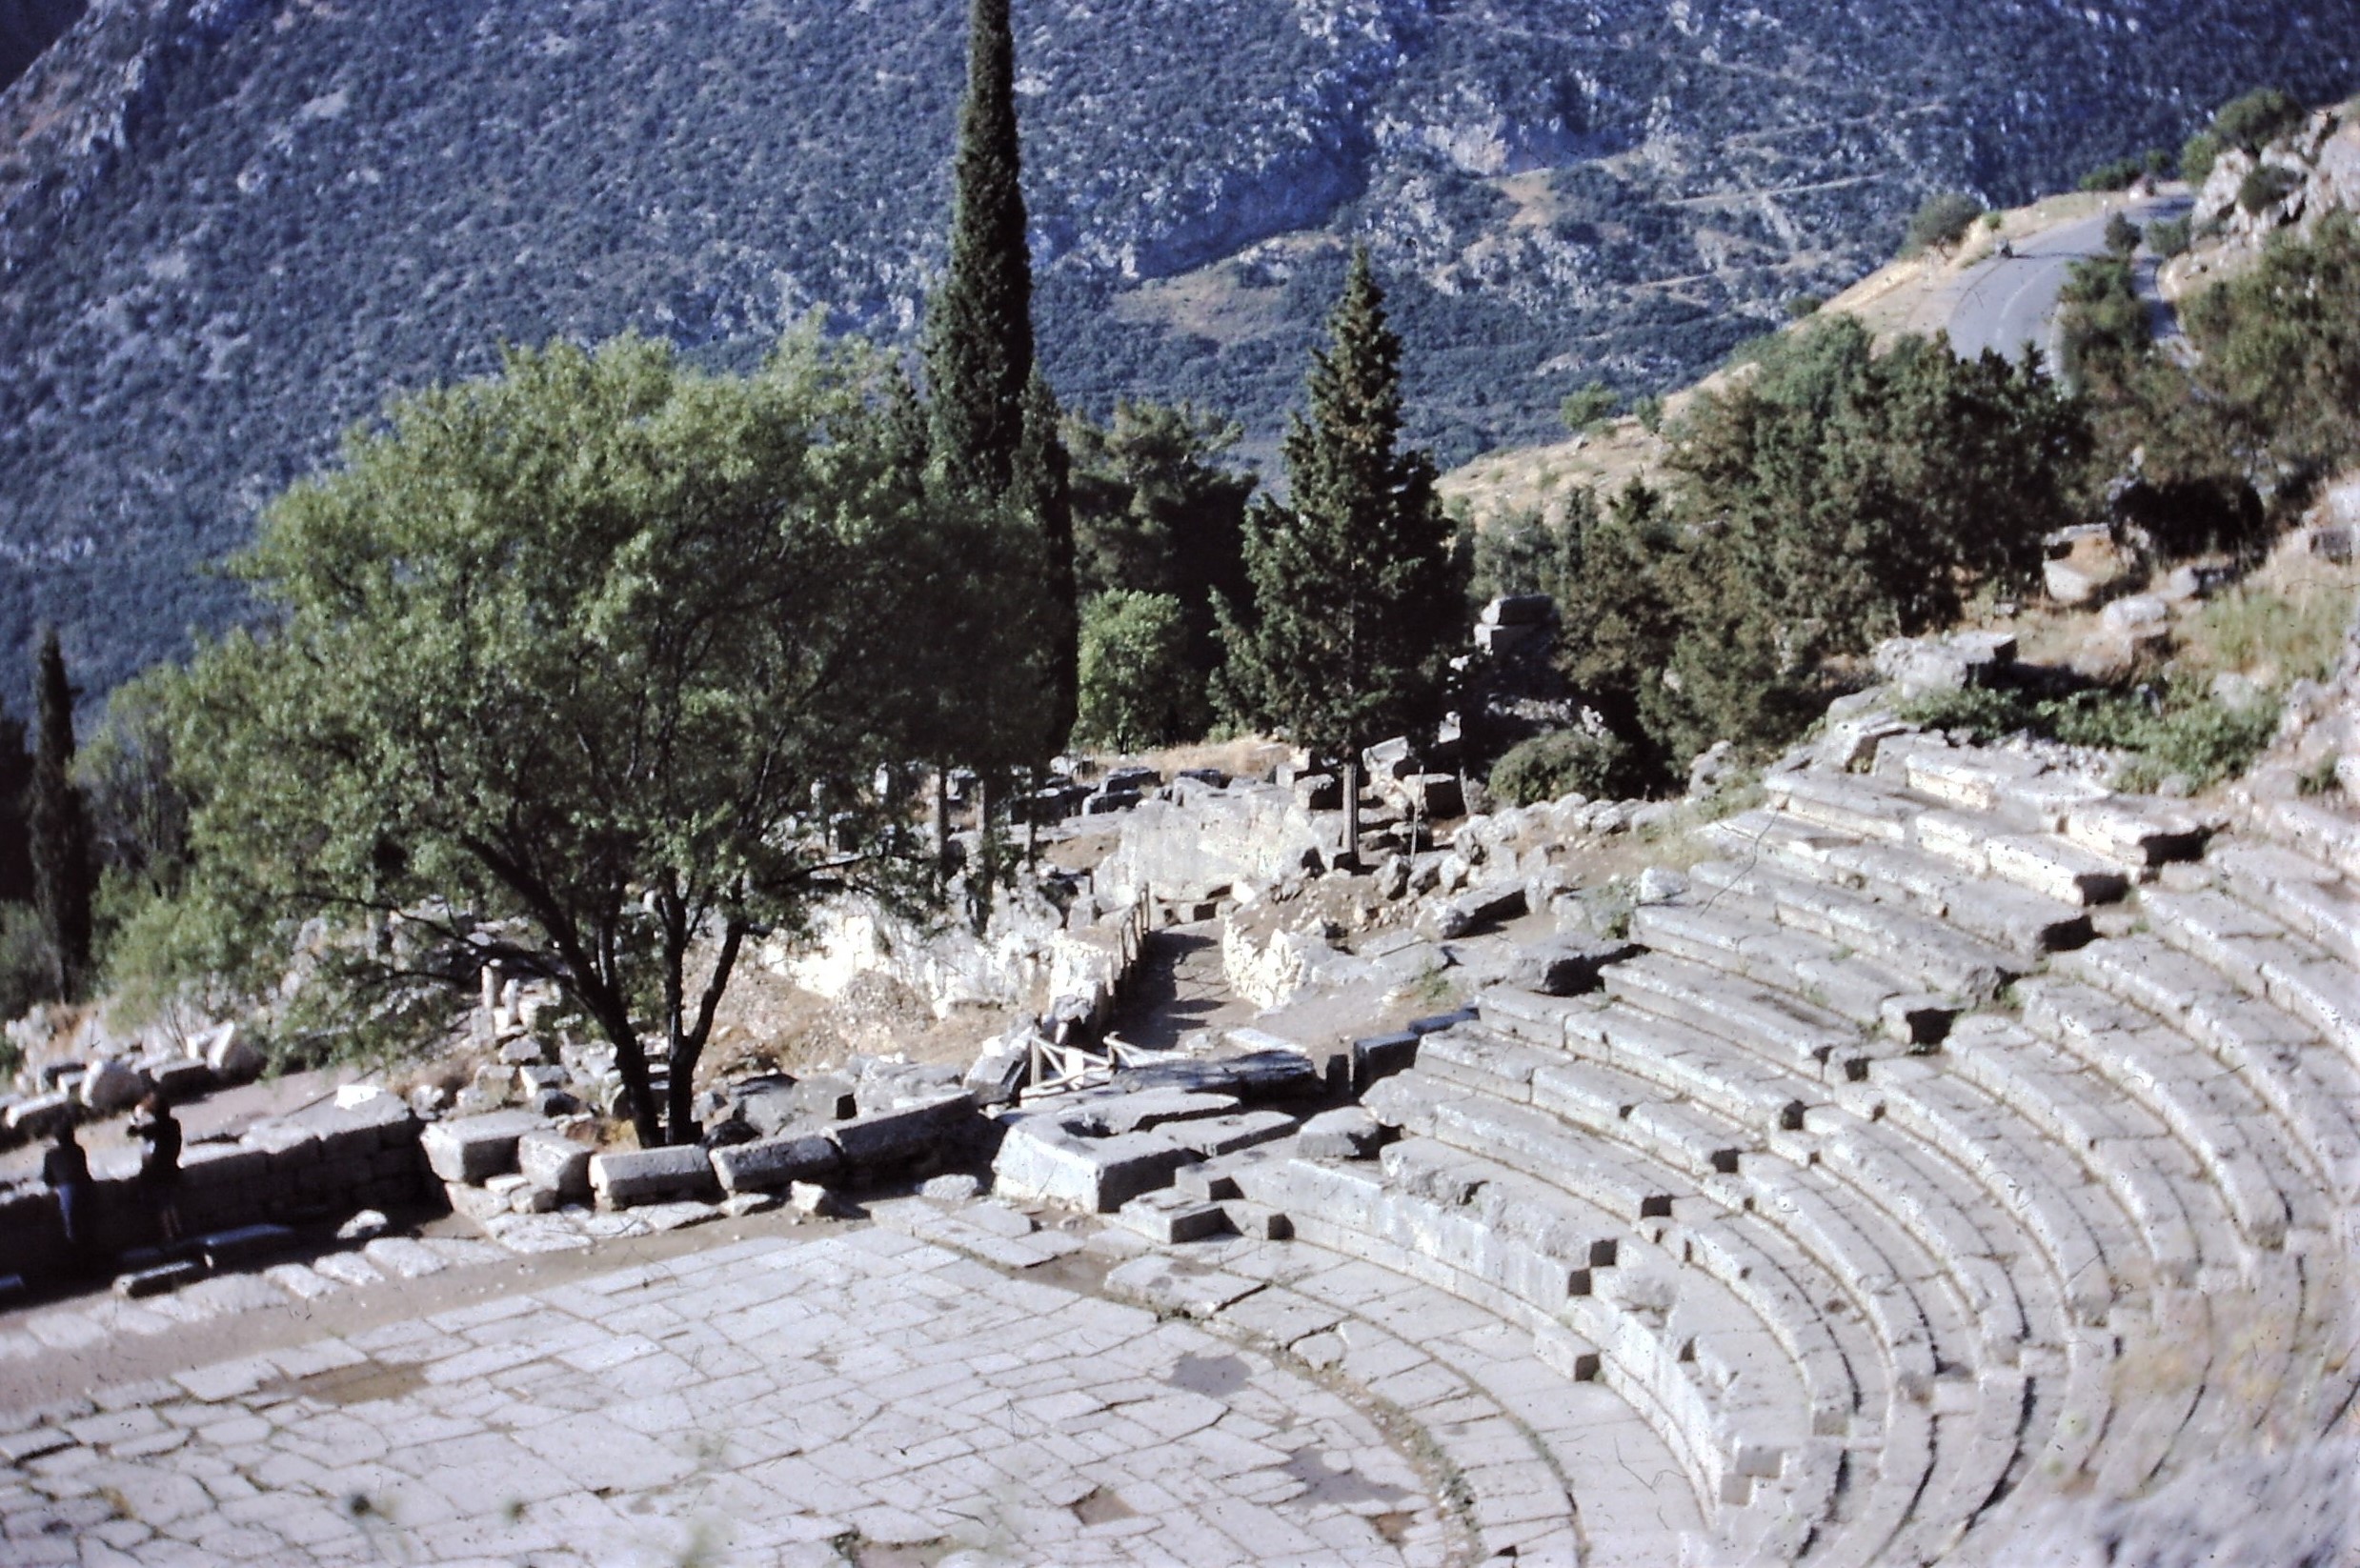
(230, 227)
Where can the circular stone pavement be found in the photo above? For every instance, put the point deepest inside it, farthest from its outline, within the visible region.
(864, 1399)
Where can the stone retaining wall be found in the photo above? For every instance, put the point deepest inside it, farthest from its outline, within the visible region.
(322, 1162)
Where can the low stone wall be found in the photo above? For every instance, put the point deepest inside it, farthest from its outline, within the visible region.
(322, 1162)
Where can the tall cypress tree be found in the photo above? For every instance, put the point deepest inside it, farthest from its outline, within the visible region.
(1355, 598)
(979, 325)
(15, 787)
(58, 826)
(994, 427)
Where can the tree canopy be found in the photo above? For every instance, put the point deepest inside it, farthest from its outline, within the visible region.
(1356, 600)
(566, 671)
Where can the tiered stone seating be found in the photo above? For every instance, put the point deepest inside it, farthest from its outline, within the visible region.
(1965, 1127)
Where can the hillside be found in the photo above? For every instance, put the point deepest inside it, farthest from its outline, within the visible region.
(230, 227)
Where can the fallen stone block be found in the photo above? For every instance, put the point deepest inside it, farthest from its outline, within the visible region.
(228, 1249)
(1168, 1219)
(627, 1177)
(956, 1188)
(887, 1140)
(1345, 1133)
(42, 1115)
(480, 1204)
(181, 1079)
(233, 1057)
(807, 1198)
(1041, 1161)
(472, 1150)
(1448, 918)
(157, 1281)
(1567, 966)
(1000, 1073)
(113, 1084)
(772, 1164)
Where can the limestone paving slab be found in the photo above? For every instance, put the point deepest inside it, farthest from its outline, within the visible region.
(761, 1401)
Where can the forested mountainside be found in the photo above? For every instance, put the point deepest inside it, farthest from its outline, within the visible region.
(229, 228)
(27, 27)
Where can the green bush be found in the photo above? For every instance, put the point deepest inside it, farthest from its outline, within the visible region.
(2264, 187)
(2177, 729)
(1940, 221)
(1801, 306)
(2167, 237)
(2121, 236)
(1585, 406)
(2113, 176)
(2197, 156)
(2255, 119)
(1137, 687)
(1581, 762)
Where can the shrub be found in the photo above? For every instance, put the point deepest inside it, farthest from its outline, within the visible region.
(1803, 305)
(2264, 187)
(2121, 236)
(1594, 763)
(1585, 406)
(2177, 729)
(1137, 687)
(2167, 237)
(1940, 221)
(2113, 176)
(2197, 156)
(2255, 119)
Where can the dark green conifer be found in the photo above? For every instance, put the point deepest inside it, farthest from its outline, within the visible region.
(58, 826)
(979, 325)
(1044, 492)
(1355, 589)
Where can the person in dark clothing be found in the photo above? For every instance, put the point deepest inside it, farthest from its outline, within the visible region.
(66, 1170)
(159, 1168)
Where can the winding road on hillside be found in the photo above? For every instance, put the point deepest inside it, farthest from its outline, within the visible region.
(2009, 301)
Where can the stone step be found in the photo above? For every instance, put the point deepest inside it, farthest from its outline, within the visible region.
(1606, 1175)
(2153, 1179)
(2299, 893)
(1912, 947)
(2318, 831)
(1752, 1089)
(1673, 1344)
(2088, 1246)
(2223, 1124)
(1807, 1038)
(1740, 938)
(1883, 811)
(2264, 959)
(2281, 1060)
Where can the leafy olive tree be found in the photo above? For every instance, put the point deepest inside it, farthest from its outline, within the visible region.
(583, 670)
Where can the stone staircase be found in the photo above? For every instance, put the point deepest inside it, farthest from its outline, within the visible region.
(1963, 1134)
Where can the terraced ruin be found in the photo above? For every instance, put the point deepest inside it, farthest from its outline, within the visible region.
(1957, 1140)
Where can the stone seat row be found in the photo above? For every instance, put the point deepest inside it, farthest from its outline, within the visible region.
(1921, 1420)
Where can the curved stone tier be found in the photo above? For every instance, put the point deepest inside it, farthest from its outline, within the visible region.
(1965, 1134)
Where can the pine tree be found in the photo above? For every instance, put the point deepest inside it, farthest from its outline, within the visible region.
(58, 826)
(979, 326)
(1355, 593)
(994, 442)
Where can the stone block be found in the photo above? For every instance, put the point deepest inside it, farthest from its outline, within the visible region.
(1345, 1133)
(181, 1079)
(769, 1164)
(1382, 1056)
(41, 1116)
(956, 1188)
(547, 1159)
(1267, 1067)
(2068, 583)
(1168, 1219)
(233, 1057)
(232, 1248)
(473, 1148)
(1256, 1221)
(1445, 919)
(1567, 966)
(1041, 1161)
(888, 1140)
(1136, 1112)
(1000, 1072)
(1216, 1136)
(2134, 612)
(157, 1280)
(621, 1177)
(113, 1084)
